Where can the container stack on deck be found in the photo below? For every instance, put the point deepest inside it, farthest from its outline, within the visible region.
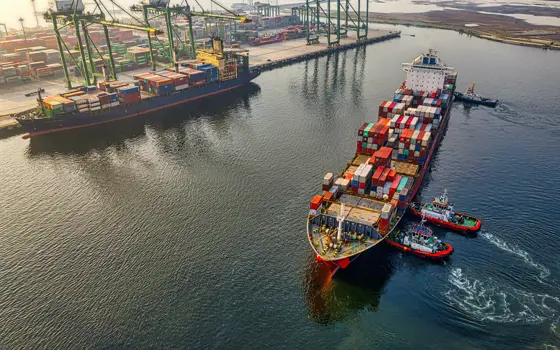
(390, 152)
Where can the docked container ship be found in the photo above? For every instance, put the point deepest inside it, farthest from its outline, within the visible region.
(366, 201)
(213, 72)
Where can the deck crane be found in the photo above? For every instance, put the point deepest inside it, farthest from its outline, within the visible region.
(73, 15)
(158, 8)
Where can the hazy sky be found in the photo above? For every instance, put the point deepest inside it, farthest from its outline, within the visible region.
(11, 10)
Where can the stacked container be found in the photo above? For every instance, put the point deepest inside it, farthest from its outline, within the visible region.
(361, 180)
(328, 181)
(399, 123)
(342, 184)
(406, 99)
(385, 220)
(372, 136)
(210, 71)
(381, 182)
(413, 145)
(128, 94)
(381, 157)
(428, 114)
(388, 109)
(401, 204)
(432, 102)
(180, 81)
(315, 205)
(196, 77)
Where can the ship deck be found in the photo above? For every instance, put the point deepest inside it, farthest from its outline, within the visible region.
(361, 215)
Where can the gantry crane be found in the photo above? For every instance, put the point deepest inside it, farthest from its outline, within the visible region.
(158, 8)
(314, 11)
(74, 16)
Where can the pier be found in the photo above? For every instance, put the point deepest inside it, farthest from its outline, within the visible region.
(264, 57)
(271, 56)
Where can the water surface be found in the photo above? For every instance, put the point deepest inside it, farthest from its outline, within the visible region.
(187, 229)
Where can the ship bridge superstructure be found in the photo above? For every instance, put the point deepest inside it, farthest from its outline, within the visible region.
(426, 72)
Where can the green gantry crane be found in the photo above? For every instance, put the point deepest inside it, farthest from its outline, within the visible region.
(74, 16)
(160, 8)
(314, 11)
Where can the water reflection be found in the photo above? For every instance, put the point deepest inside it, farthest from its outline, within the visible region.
(85, 140)
(354, 289)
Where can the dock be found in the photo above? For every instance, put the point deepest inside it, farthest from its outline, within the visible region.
(264, 57)
(272, 56)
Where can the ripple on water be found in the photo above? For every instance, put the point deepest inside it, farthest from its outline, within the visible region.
(488, 301)
(510, 248)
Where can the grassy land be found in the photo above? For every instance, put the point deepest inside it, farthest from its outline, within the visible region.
(500, 28)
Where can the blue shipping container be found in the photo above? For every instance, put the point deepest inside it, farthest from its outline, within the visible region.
(129, 90)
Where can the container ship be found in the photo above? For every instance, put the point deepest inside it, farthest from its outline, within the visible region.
(361, 206)
(214, 71)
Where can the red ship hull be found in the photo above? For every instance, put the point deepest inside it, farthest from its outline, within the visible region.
(432, 256)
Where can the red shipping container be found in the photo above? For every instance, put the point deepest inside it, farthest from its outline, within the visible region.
(394, 186)
(383, 177)
(383, 226)
(316, 202)
(377, 175)
(359, 147)
(392, 175)
(328, 196)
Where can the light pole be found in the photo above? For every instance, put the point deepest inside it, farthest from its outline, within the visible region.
(24, 36)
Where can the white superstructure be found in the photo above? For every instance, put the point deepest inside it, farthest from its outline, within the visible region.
(426, 73)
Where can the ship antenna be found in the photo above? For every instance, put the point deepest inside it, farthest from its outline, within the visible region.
(423, 220)
(444, 196)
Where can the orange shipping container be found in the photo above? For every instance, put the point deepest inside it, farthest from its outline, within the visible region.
(316, 202)
(164, 81)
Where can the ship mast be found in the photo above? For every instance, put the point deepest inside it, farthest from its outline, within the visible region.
(340, 221)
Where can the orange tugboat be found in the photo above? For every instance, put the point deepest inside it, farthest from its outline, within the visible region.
(440, 212)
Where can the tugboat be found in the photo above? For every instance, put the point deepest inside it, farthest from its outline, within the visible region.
(440, 212)
(470, 97)
(421, 241)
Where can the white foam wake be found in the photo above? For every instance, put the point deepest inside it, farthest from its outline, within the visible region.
(487, 301)
(543, 271)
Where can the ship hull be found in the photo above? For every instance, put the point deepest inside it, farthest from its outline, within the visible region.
(484, 102)
(425, 255)
(335, 265)
(36, 127)
(471, 230)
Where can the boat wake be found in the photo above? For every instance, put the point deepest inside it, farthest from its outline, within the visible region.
(543, 271)
(509, 114)
(487, 301)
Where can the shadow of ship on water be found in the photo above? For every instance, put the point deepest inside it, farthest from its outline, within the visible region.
(358, 287)
(84, 140)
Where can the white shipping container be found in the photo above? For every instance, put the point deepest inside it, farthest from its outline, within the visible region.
(181, 87)
(328, 178)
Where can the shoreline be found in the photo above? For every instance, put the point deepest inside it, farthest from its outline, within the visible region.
(499, 28)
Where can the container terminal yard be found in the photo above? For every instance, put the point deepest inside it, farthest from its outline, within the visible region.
(86, 43)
